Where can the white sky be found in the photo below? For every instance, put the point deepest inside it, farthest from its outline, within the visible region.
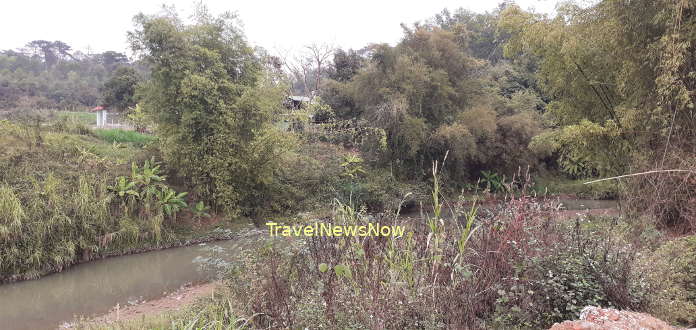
(275, 25)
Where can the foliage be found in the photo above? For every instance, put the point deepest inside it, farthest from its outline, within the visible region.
(137, 117)
(124, 136)
(351, 166)
(200, 210)
(119, 91)
(72, 199)
(49, 74)
(321, 111)
(170, 201)
(492, 181)
(592, 264)
(434, 94)
(673, 266)
(212, 108)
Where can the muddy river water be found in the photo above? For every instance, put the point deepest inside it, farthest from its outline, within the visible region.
(95, 287)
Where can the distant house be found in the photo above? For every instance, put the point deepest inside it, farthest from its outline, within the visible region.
(101, 115)
(297, 102)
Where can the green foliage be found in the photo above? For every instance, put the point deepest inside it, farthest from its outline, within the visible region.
(170, 201)
(430, 95)
(321, 111)
(672, 269)
(124, 188)
(49, 74)
(74, 199)
(54, 224)
(492, 181)
(351, 166)
(119, 91)
(212, 107)
(148, 174)
(618, 78)
(563, 286)
(123, 136)
(594, 263)
(200, 210)
(138, 118)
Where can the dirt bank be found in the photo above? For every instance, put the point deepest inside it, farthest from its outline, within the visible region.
(174, 301)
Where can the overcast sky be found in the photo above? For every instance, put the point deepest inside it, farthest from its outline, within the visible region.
(275, 25)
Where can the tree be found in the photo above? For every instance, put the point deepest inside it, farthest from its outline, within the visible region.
(346, 65)
(48, 74)
(621, 78)
(308, 67)
(118, 92)
(212, 106)
(111, 59)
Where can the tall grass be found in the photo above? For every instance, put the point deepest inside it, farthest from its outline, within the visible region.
(55, 208)
(123, 136)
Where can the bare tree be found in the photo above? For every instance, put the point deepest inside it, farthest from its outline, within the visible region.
(308, 66)
(319, 55)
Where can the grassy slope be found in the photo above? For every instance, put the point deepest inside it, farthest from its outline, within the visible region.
(40, 176)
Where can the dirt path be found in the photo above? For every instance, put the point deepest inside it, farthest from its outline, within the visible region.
(172, 302)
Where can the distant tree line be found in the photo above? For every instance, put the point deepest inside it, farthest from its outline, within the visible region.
(50, 74)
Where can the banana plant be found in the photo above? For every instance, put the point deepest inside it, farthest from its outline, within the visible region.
(200, 211)
(148, 177)
(148, 174)
(170, 201)
(124, 188)
(493, 181)
(351, 166)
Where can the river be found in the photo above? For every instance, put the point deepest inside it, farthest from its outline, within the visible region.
(95, 287)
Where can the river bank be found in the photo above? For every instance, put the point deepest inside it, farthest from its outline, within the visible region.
(172, 302)
(214, 235)
(95, 288)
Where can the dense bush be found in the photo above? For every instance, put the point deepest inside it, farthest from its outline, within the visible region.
(589, 264)
(672, 267)
(670, 197)
(212, 103)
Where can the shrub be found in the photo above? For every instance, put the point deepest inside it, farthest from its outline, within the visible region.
(592, 262)
(668, 197)
(673, 267)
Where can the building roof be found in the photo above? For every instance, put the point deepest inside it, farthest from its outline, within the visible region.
(98, 108)
(299, 98)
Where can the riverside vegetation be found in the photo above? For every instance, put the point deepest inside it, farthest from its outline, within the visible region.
(474, 120)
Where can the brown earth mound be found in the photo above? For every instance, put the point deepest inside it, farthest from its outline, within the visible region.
(595, 318)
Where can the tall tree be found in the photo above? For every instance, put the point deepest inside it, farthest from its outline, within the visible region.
(118, 92)
(212, 106)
